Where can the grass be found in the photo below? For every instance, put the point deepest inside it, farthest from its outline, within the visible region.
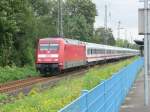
(3, 97)
(15, 73)
(64, 92)
(96, 75)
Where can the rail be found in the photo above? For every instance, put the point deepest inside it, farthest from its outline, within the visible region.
(109, 95)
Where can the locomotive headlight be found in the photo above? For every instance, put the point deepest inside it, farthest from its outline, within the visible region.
(55, 59)
(54, 55)
(42, 56)
(60, 63)
(39, 60)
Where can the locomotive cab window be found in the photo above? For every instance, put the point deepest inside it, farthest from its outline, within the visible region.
(54, 47)
(44, 47)
(49, 47)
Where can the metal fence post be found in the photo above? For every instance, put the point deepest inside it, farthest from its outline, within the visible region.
(85, 92)
(104, 81)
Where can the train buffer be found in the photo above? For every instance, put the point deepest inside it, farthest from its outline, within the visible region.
(135, 100)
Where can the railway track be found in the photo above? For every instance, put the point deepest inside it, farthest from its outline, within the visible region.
(20, 85)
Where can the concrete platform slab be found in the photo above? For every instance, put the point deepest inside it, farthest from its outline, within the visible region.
(135, 100)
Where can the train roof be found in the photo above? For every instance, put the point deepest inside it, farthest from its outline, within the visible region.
(88, 45)
(100, 46)
(66, 40)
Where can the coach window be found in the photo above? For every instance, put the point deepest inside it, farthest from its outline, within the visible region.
(91, 51)
(99, 51)
(108, 51)
(87, 51)
(111, 51)
(103, 51)
(115, 51)
(94, 51)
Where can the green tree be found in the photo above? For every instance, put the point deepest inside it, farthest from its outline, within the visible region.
(36, 20)
(126, 44)
(8, 27)
(103, 36)
(79, 18)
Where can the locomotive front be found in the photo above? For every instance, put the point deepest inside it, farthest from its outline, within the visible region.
(48, 56)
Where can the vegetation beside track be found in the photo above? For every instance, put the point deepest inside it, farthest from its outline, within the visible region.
(15, 73)
(64, 92)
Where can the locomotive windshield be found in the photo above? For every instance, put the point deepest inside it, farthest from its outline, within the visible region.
(53, 47)
(44, 47)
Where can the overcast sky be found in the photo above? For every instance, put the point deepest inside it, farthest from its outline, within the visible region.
(125, 11)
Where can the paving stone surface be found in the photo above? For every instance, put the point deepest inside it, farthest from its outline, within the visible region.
(135, 100)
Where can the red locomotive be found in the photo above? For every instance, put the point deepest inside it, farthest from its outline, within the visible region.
(58, 54)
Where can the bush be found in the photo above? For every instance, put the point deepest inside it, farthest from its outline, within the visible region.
(15, 73)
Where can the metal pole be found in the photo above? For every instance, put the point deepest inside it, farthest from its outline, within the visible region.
(106, 18)
(148, 56)
(105, 24)
(125, 34)
(61, 19)
(146, 52)
(125, 37)
(119, 29)
(58, 19)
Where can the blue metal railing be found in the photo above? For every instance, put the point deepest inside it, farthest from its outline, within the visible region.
(108, 95)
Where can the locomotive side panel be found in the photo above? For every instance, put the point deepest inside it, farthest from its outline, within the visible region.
(74, 56)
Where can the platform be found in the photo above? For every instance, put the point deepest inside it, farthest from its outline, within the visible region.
(135, 100)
